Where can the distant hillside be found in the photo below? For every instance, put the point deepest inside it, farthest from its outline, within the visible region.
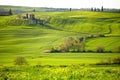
(23, 9)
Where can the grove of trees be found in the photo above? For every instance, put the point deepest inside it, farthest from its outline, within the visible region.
(71, 44)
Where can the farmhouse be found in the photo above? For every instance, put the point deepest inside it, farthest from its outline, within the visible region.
(32, 19)
(28, 16)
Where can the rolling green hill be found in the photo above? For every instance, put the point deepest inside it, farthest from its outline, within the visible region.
(17, 37)
(87, 22)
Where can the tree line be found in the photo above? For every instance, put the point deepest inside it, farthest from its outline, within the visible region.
(97, 9)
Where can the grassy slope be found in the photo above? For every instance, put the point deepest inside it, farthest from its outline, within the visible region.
(30, 41)
(87, 22)
(109, 43)
(92, 23)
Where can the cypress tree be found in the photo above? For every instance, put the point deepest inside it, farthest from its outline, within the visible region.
(10, 12)
(70, 9)
(33, 10)
(92, 9)
(102, 9)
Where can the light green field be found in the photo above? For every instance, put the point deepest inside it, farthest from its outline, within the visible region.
(58, 58)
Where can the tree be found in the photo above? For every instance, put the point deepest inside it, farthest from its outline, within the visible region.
(102, 9)
(92, 9)
(71, 44)
(33, 10)
(70, 9)
(95, 9)
(27, 15)
(10, 12)
(98, 9)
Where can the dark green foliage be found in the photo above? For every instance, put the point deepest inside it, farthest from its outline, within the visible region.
(70, 9)
(33, 10)
(10, 12)
(95, 9)
(110, 61)
(116, 61)
(118, 49)
(102, 9)
(90, 51)
(92, 9)
(100, 49)
(90, 36)
(20, 61)
(101, 35)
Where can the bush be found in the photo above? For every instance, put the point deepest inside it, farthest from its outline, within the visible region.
(90, 51)
(100, 49)
(116, 61)
(118, 49)
(109, 61)
(101, 35)
(90, 36)
(38, 65)
(20, 60)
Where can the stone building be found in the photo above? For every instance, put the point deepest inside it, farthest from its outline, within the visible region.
(28, 16)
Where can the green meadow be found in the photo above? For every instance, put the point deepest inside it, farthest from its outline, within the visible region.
(18, 38)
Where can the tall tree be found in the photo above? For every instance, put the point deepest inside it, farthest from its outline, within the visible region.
(10, 12)
(27, 15)
(33, 10)
(95, 9)
(70, 9)
(102, 9)
(92, 9)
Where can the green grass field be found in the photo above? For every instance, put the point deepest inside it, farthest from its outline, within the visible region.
(19, 39)
(58, 58)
